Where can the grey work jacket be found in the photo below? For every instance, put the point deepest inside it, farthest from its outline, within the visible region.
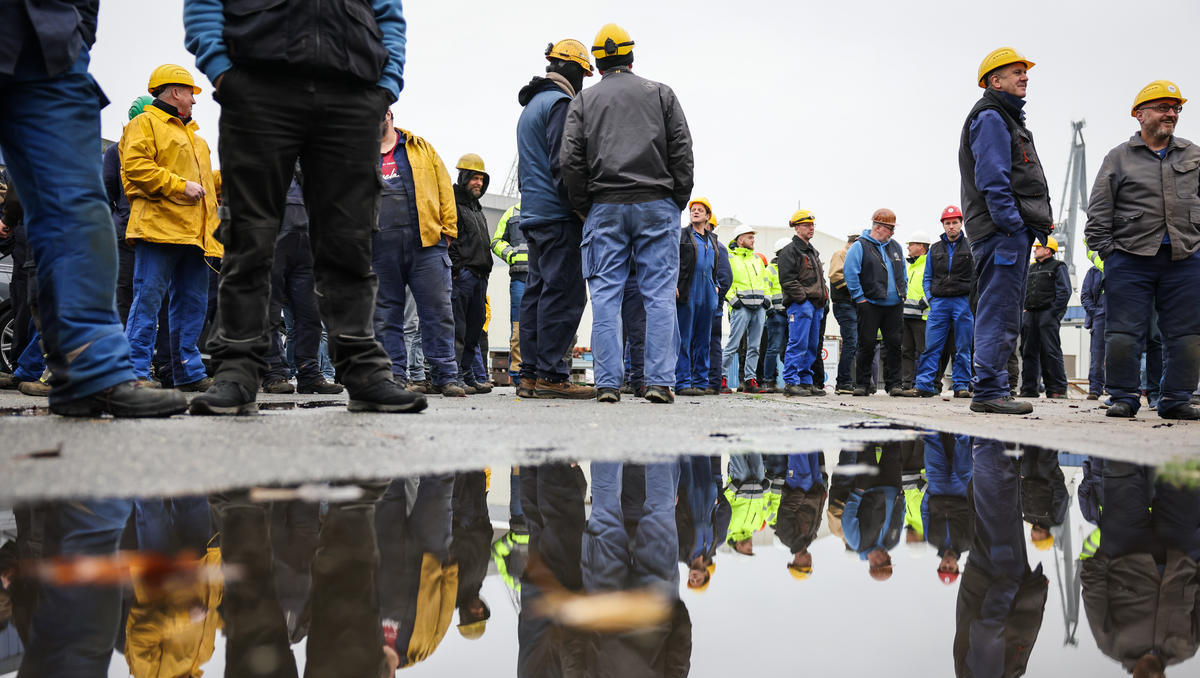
(1137, 198)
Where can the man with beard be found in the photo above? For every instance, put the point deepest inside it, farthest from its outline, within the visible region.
(695, 298)
(471, 262)
(1142, 221)
(554, 288)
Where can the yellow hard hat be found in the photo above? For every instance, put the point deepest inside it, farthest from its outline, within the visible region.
(702, 201)
(799, 573)
(1001, 57)
(801, 215)
(1159, 89)
(170, 74)
(1044, 544)
(472, 162)
(1051, 243)
(612, 40)
(570, 50)
(472, 631)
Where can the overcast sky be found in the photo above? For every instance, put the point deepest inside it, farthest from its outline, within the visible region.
(840, 107)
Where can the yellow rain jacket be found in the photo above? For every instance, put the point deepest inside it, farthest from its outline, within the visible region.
(159, 155)
(437, 212)
(173, 636)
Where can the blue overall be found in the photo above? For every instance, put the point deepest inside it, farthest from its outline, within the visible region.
(804, 343)
(946, 314)
(695, 319)
(697, 477)
(1001, 266)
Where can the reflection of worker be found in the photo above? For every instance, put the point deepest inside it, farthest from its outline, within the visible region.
(1139, 589)
(1047, 293)
(470, 542)
(800, 510)
(1044, 497)
(944, 510)
(874, 511)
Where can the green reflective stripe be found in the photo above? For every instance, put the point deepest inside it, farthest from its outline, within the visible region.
(1096, 260)
(912, 511)
(499, 243)
(1091, 545)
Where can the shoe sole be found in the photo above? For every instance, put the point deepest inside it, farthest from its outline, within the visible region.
(562, 396)
(203, 409)
(659, 399)
(365, 406)
(608, 400)
(313, 391)
(95, 411)
(988, 409)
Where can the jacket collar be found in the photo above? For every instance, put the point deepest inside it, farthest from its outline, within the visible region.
(1014, 105)
(563, 83)
(1175, 142)
(166, 112)
(800, 243)
(866, 235)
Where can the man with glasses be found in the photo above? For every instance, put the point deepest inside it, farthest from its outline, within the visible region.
(1006, 204)
(1143, 222)
(874, 273)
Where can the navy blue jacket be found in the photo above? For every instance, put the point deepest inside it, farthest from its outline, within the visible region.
(117, 202)
(60, 30)
(539, 140)
(1091, 295)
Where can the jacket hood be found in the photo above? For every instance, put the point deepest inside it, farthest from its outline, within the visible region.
(464, 176)
(866, 235)
(540, 84)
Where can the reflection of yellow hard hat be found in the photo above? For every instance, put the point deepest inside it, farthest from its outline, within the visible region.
(612, 40)
(799, 573)
(170, 74)
(570, 50)
(801, 216)
(1001, 57)
(1051, 243)
(473, 630)
(472, 162)
(1044, 544)
(1159, 89)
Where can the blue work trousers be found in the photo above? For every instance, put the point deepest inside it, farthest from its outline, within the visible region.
(846, 314)
(32, 362)
(178, 273)
(633, 333)
(170, 525)
(744, 322)
(804, 343)
(948, 470)
(412, 338)
(50, 136)
(695, 329)
(647, 556)
(747, 468)
(74, 628)
(553, 300)
(400, 261)
(1001, 266)
(946, 314)
(516, 292)
(776, 328)
(469, 298)
(999, 538)
(614, 237)
(1134, 287)
(714, 351)
(804, 471)
(1096, 357)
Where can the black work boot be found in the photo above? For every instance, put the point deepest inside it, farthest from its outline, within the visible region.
(797, 390)
(1183, 411)
(1005, 405)
(224, 397)
(322, 386)
(1120, 409)
(125, 400)
(385, 396)
(608, 395)
(660, 395)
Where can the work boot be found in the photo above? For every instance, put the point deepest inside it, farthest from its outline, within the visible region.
(750, 386)
(198, 386)
(844, 389)
(279, 386)
(483, 387)
(895, 391)
(39, 389)
(8, 381)
(422, 386)
(525, 388)
(1005, 405)
(627, 388)
(451, 390)
(769, 387)
(710, 391)
(962, 394)
(797, 390)
(1027, 394)
(1120, 409)
(1183, 411)
(124, 400)
(224, 397)
(321, 386)
(916, 393)
(385, 396)
(1057, 396)
(562, 389)
(859, 392)
(1195, 400)
(608, 395)
(640, 391)
(690, 391)
(660, 395)
(725, 385)
(1096, 396)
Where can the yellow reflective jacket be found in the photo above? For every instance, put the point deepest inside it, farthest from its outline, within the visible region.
(437, 212)
(771, 284)
(171, 633)
(159, 155)
(748, 278)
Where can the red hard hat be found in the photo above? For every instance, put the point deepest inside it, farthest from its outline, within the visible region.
(951, 212)
(948, 578)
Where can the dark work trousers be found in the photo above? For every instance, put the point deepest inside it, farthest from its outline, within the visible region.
(21, 290)
(1096, 357)
(715, 348)
(1152, 363)
(553, 301)
(873, 318)
(633, 329)
(124, 279)
(1144, 516)
(1013, 367)
(818, 366)
(1000, 271)
(912, 345)
(292, 284)
(332, 125)
(1133, 286)
(1041, 353)
(469, 298)
(847, 319)
(345, 638)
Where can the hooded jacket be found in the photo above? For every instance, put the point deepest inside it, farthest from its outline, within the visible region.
(472, 249)
(544, 198)
(874, 271)
(800, 274)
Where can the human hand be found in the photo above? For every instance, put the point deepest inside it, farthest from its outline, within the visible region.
(193, 190)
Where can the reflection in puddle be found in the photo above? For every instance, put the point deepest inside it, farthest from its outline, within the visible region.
(945, 551)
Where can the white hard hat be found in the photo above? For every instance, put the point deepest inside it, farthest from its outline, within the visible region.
(920, 237)
(742, 230)
(781, 243)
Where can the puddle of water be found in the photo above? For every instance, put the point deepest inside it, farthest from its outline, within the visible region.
(988, 552)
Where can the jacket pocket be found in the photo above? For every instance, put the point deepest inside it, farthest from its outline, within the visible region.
(586, 255)
(363, 15)
(1124, 221)
(256, 29)
(1194, 217)
(1187, 177)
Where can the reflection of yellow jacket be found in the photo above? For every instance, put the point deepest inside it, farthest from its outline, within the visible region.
(437, 213)
(159, 155)
(171, 635)
(435, 608)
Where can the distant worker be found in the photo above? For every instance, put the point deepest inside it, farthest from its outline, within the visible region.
(627, 166)
(916, 308)
(1047, 293)
(696, 298)
(804, 296)
(1150, 261)
(874, 273)
(776, 324)
(471, 264)
(724, 273)
(1006, 203)
(846, 314)
(1095, 319)
(508, 243)
(555, 295)
(747, 307)
(949, 278)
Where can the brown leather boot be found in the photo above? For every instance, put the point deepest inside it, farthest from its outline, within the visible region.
(525, 388)
(563, 389)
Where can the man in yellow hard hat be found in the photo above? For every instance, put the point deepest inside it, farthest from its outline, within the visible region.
(554, 294)
(805, 294)
(1047, 293)
(627, 167)
(696, 298)
(1144, 223)
(1006, 204)
(471, 264)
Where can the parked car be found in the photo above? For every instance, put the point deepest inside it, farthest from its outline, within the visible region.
(7, 359)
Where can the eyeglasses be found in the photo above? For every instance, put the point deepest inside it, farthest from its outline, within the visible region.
(1165, 108)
